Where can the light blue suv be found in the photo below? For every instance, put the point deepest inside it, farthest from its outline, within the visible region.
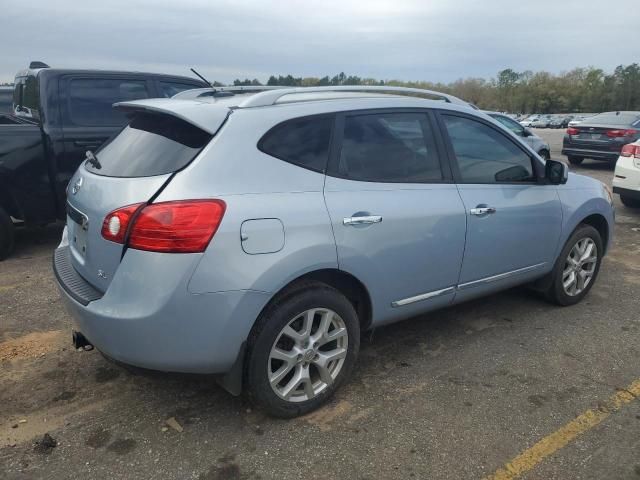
(256, 236)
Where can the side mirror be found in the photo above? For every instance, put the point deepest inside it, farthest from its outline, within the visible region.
(556, 173)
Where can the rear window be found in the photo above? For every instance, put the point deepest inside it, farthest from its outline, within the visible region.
(614, 118)
(91, 100)
(303, 142)
(150, 145)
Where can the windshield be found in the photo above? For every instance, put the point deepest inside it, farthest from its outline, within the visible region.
(152, 144)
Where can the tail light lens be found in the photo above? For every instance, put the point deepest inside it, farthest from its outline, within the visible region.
(172, 227)
(115, 225)
(572, 131)
(631, 150)
(621, 133)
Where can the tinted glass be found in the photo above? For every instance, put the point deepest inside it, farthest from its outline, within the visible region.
(485, 155)
(150, 145)
(169, 89)
(613, 118)
(512, 125)
(26, 97)
(303, 142)
(393, 147)
(91, 100)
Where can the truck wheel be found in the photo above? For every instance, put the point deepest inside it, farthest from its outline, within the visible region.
(630, 202)
(577, 266)
(301, 350)
(6, 234)
(575, 160)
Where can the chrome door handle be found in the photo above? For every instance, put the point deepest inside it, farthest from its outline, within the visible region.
(361, 220)
(482, 210)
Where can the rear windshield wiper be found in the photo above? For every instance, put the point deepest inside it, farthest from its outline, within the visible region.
(93, 160)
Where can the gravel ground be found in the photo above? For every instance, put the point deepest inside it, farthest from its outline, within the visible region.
(454, 394)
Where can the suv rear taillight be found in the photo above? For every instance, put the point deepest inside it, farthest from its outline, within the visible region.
(572, 131)
(185, 226)
(631, 150)
(115, 225)
(621, 133)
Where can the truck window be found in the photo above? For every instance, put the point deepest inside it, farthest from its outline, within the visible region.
(169, 89)
(90, 100)
(26, 97)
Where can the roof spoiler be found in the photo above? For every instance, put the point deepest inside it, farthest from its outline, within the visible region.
(205, 116)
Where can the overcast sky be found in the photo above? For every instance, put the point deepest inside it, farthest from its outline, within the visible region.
(436, 40)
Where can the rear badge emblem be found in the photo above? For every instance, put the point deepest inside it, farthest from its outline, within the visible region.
(101, 274)
(77, 186)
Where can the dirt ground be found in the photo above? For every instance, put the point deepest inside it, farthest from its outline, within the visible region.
(455, 394)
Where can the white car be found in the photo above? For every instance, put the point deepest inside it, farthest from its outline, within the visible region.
(528, 121)
(626, 178)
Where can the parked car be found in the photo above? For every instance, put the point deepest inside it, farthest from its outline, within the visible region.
(626, 178)
(6, 96)
(58, 116)
(560, 121)
(533, 140)
(256, 238)
(541, 122)
(601, 137)
(527, 122)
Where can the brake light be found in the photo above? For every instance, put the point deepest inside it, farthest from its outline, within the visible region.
(572, 131)
(621, 133)
(177, 227)
(631, 150)
(185, 226)
(115, 224)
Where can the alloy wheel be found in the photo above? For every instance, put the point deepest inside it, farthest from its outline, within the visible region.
(308, 355)
(580, 266)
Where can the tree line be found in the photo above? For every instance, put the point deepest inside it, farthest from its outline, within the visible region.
(579, 90)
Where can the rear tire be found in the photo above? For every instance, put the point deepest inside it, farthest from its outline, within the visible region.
(291, 345)
(6, 234)
(575, 160)
(579, 261)
(630, 202)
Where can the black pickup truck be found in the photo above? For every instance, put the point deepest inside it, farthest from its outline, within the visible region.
(55, 117)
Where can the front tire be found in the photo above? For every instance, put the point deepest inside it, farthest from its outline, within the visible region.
(630, 202)
(6, 234)
(577, 267)
(575, 160)
(301, 350)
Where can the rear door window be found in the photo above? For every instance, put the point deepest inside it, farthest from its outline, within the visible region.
(389, 147)
(302, 141)
(90, 100)
(152, 144)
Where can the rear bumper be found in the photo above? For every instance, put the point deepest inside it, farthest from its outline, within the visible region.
(148, 319)
(635, 194)
(626, 178)
(609, 156)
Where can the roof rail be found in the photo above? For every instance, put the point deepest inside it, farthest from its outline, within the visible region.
(271, 97)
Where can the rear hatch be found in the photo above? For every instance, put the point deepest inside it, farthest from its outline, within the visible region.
(130, 169)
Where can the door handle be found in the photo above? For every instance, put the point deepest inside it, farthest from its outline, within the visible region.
(362, 220)
(479, 211)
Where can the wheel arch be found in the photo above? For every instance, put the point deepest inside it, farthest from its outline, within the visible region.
(600, 223)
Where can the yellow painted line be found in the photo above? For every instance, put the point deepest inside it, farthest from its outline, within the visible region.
(550, 444)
